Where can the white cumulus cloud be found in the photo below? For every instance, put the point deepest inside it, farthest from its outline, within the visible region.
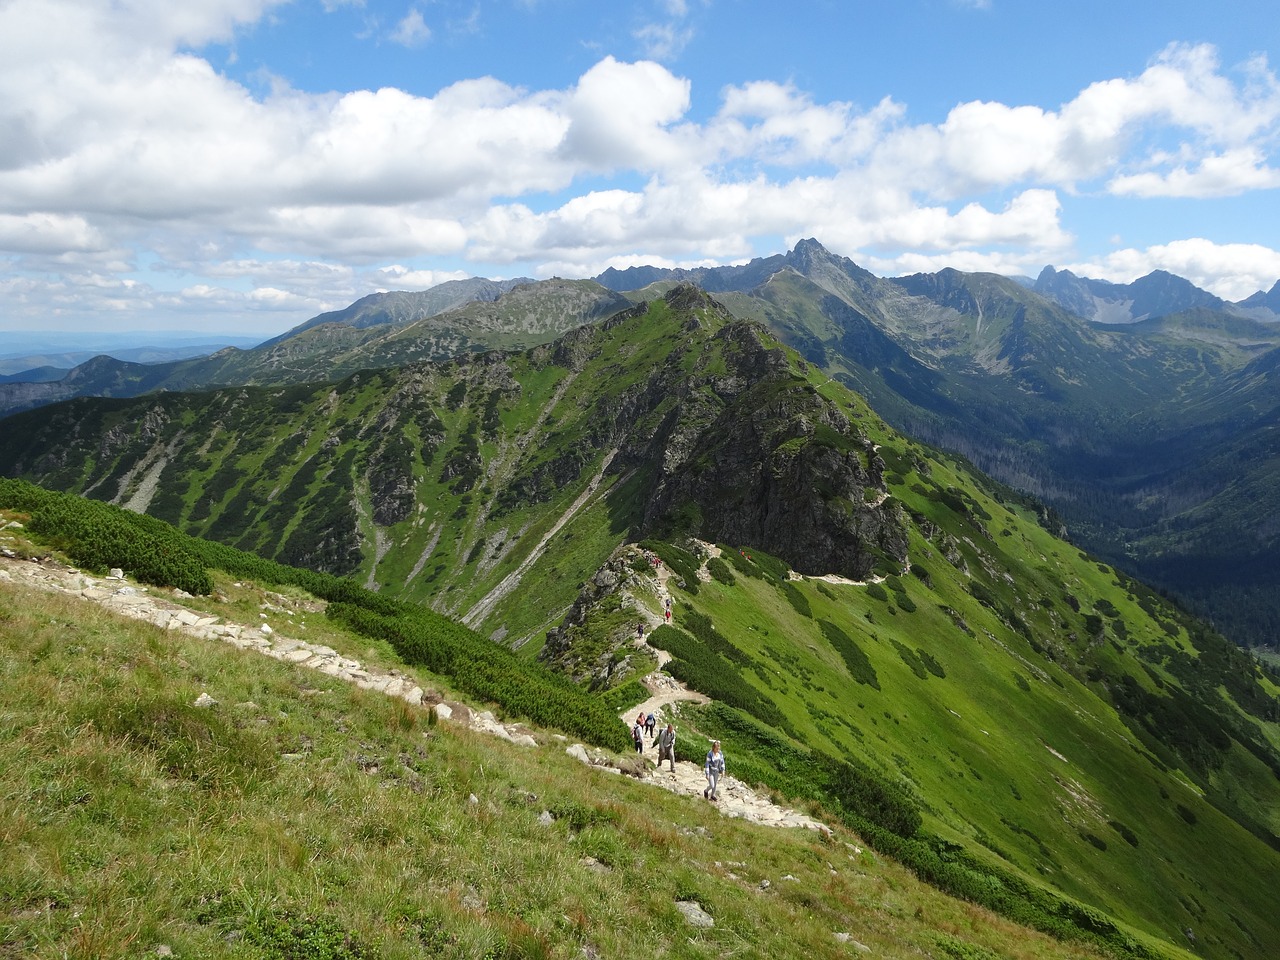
(125, 151)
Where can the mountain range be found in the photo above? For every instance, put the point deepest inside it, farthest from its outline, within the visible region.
(880, 630)
(1142, 414)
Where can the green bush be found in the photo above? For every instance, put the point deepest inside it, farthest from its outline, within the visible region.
(626, 695)
(720, 572)
(857, 662)
(932, 665)
(859, 789)
(488, 672)
(774, 569)
(700, 625)
(797, 599)
(702, 668)
(741, 562)
(99, 536)
(1129, 836)
(682, 563)
(911, 659)
(287, 935)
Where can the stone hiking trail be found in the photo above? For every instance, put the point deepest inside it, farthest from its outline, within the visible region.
(736, 799)
(162, 609)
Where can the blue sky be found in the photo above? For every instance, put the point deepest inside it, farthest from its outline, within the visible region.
(238, 166)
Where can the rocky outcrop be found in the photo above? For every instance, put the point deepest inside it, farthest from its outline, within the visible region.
(750, 453)
(560, 649)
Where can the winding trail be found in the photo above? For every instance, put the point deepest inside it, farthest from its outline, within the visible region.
(736, 799)
(166, 611)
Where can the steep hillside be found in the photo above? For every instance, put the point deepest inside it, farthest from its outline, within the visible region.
(1147, 438)
(1136, 432)
(454, 482)
(1047, 716)
(170, 794)
(884, 633)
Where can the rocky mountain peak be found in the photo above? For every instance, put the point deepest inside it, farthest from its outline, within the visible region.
(805, 252)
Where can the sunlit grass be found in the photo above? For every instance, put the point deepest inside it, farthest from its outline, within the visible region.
(299, 814)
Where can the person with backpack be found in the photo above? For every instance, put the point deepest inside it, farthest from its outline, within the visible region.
(714, 769)
(637, 736)
(667, 747)
(650, 722)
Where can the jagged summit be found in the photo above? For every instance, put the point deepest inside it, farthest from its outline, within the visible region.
(1157, 294)
(1269, 300)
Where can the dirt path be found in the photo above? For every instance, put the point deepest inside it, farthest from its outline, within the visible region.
(736, 799)
(138, 602)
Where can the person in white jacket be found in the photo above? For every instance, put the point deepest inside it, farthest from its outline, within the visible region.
(714, 769)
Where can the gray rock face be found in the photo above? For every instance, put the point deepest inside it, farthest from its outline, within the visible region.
(559, 646)
(751, 454)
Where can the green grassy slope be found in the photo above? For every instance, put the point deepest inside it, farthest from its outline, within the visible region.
(299, 816)
(1153, 440)
(435, 482)
(1045, 713)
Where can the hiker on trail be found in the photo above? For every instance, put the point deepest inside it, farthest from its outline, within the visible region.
(639, 631)
(714, 769)
(637, 736)
(668, 614)
(667, 746)
(649, 723)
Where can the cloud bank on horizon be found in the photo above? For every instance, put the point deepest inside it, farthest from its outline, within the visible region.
(237, 166)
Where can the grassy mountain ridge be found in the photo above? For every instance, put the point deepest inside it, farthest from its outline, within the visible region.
(1145, 437)
(1136, 433)
(381, 330)
(1047, 714)
(441, 481)
(1053, 725)
(396, 307)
